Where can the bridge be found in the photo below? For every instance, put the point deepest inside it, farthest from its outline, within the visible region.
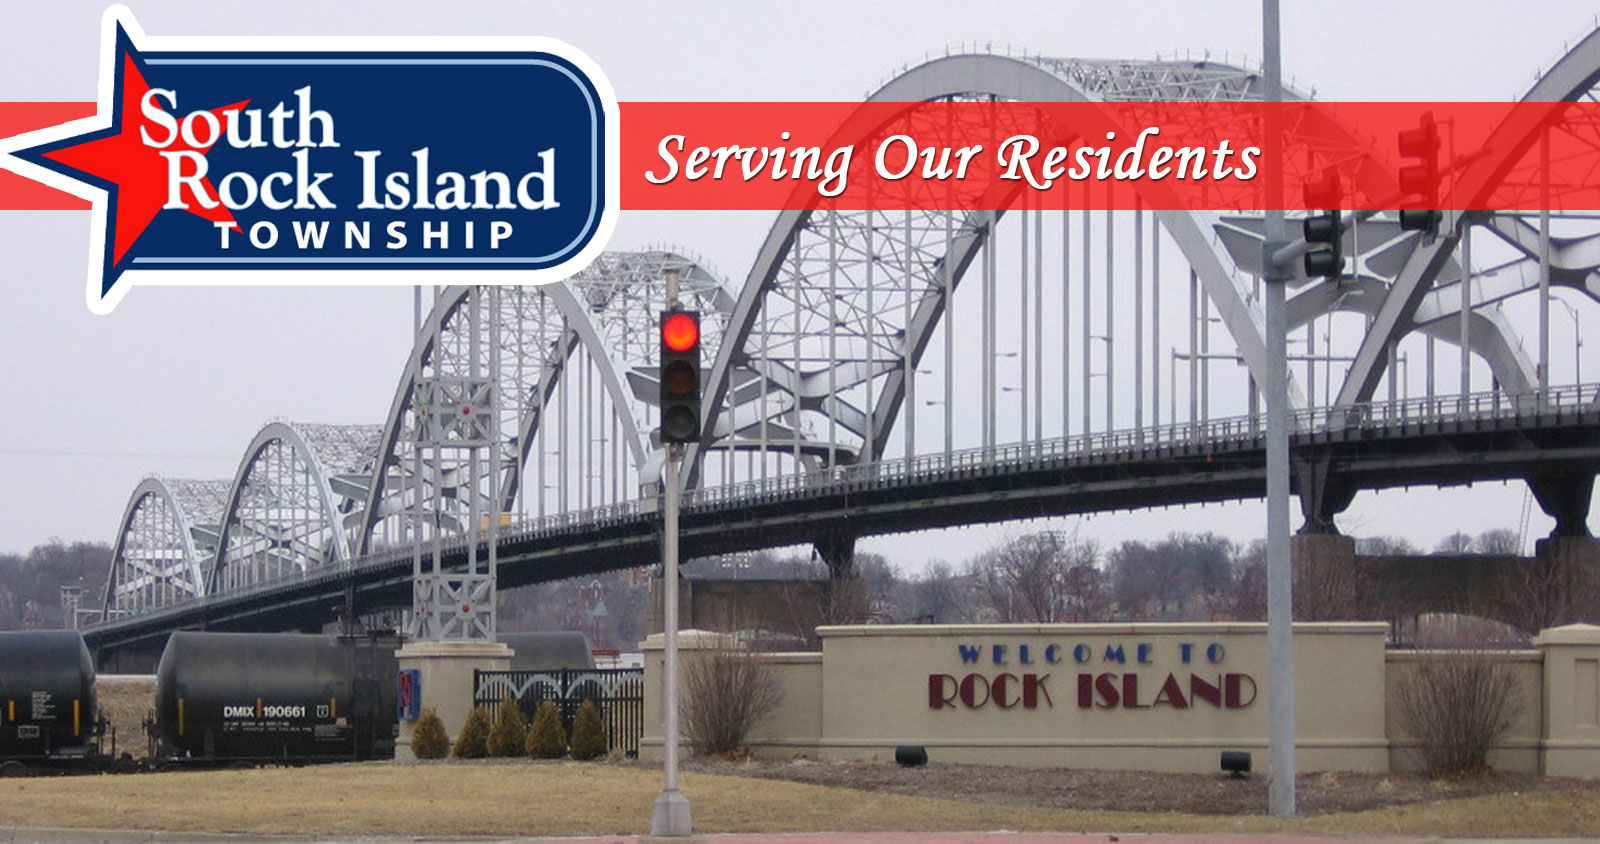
(877, 372)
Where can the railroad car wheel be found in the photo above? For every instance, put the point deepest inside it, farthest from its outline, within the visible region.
(13, 768)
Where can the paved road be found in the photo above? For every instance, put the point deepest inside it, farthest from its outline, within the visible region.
(92, 836)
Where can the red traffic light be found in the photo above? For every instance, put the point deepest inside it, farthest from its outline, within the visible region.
(680, 333)
(1422, 141)
(1324, 192)
(680, 377)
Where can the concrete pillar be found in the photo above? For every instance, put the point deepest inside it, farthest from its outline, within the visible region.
(445, 677)
(839, 552)
(1570, 746)
(1326, 587)
(654, 620)
(1566, 499)
(1564, 581)
(1323, 495)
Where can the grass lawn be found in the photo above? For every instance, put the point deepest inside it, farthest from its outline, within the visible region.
(570, 798)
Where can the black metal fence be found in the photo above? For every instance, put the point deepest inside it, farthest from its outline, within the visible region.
(617, 692)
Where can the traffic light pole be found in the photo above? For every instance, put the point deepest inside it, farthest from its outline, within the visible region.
(1280, 604)
(670, 817)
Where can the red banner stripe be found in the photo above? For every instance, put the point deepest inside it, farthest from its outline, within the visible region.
(17, 193)
(1487, 155)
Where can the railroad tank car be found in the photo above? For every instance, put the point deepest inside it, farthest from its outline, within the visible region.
(47, 700)
(275, 697)
(548, 651)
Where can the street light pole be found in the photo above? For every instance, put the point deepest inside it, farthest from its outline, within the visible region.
(1280, 605)
(1577, 340)
(670, 816)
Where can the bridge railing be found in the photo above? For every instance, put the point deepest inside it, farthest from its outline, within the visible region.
(1555, 403)
(1164, 438)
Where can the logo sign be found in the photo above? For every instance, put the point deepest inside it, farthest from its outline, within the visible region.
(408, 695)
(326, 160)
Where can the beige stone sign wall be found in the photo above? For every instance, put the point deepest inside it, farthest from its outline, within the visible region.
(1163, 697)
(1571, 701)
(1151, 696)
(1518, 748)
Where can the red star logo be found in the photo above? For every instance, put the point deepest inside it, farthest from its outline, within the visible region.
(133, 173)
(138, 171)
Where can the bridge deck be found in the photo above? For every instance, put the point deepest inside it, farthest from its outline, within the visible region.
(1419, 442)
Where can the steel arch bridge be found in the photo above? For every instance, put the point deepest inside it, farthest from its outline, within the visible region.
(862, 337)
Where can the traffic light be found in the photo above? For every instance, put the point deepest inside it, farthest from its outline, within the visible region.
(1419, 182)
(1324, 232)
(680, 376)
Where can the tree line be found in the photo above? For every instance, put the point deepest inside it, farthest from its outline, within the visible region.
(30, 584)
(1044, 576)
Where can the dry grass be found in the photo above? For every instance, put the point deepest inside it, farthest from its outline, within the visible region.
(1149, 792)
(568, 798)
(126, 702)
(1549, 814)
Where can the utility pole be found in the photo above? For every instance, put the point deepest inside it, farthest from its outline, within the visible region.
(1280, 605)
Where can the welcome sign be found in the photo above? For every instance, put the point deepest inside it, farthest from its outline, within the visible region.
(1128, 695)
(335, 160)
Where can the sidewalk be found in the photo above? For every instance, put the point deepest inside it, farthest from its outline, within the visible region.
(94, 836)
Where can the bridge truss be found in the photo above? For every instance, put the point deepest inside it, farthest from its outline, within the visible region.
(863, 337)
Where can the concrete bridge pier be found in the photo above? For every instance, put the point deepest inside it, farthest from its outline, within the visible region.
(838, 551)
(844, 601)
(1565, 498)
(1326, 582)
(1562, 584)
(1323, 495)
(130, 660)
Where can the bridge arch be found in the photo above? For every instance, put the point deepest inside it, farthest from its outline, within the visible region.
(1489, 335)
(286, 509)
(624, 293)
(1385, 254)
(1573, 77)
(935, 254)
(164, 545)
(607, 312)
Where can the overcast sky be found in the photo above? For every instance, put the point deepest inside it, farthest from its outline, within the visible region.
(178, 380)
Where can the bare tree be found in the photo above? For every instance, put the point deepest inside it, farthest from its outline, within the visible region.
(1500, 541)
(1248, 601)
(1139, 580)
(1086, 597)
(878, 582)
(1386, 546)
(816, 598)
(1552, 590)
(1206, 561)
(1183, 576)
(1456, 543)
(1456, 706)
(939, 596)
(726, 692)
(1028, 579)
